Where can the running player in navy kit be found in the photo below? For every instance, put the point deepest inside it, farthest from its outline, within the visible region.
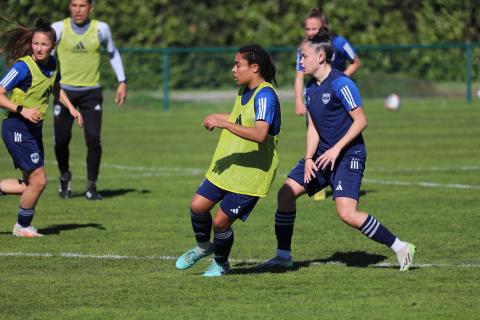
(343, 52)
(79, 40)
(31, 78)
(335, 155)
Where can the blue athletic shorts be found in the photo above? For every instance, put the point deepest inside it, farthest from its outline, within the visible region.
(345, 179)
(23, 140)
(235, 205)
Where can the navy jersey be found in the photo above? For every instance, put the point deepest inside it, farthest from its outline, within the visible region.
(19, 75)
(329, 105)
(342, 51)
(267, 108)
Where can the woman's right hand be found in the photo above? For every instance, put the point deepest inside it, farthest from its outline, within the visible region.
(309, 170)
(31, 114)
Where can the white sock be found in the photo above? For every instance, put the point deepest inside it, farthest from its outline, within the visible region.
(203, 247)
(284, 254)
(398, 245)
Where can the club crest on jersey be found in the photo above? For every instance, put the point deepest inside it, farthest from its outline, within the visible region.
(35, 157)
(326, 98)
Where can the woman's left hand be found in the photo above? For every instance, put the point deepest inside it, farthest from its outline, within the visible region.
(328, 157)
(77, 115)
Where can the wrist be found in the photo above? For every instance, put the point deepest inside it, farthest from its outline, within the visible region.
(19, 109)
(307, 158)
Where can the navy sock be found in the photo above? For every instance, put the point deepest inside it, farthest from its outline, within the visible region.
(222, 244)
(376, 231)
(25, 216)
(202, 225)
(284, 222)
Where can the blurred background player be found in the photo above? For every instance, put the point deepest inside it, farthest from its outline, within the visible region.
(31, 78)
(78, 51)
(335, 155)
(244, 164)
(343, 52)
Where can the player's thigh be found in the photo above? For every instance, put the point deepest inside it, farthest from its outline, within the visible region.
(206, 197)
(90, 106)
(348, 177)
(238, 206)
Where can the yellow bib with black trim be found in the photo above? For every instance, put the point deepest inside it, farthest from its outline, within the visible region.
(38, 94)
(79, 56)
(240, 165)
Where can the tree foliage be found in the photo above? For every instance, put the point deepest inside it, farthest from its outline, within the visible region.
(232, 23)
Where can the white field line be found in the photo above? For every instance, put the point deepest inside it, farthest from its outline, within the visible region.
(253, 261)
(152, 172)
(423, 184)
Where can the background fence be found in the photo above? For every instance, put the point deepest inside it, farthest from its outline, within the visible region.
(409, 70)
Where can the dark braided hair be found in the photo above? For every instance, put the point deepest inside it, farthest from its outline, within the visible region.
(19, 42)
(321, 41)
(256, 54)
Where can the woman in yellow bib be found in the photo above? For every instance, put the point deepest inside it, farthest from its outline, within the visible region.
(31, 78)
(244, 162)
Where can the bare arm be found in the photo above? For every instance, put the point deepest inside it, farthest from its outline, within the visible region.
(353, 67)
(74, 112)
(359, 124)
(313, 139)
(299, 99)
(258, 133)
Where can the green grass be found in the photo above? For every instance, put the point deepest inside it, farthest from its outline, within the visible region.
(153, 162)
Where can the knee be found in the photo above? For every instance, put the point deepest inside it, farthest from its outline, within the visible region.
(62, 140)
(347, 215)
(286, 197)
(221, 224)
(93, 141)
(198, 207)
(38, 181)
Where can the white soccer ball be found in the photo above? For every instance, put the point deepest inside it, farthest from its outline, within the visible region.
(392, 102)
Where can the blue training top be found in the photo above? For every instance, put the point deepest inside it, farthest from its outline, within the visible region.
(329, 105)
(342, 51)
(267, 107)
(19, 75)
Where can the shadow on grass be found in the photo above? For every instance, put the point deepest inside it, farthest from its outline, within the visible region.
(363, 193)
(58, 228)
(110, 193)
(356, 259)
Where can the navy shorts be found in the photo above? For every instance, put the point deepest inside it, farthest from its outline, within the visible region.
(345, 179)
(235, 205)
(23, 140)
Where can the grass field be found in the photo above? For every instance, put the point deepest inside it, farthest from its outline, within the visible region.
(115, 259)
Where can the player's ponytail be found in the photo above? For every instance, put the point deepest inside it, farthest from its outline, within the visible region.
(19, 43)
(256, 54)
(322, 41)
(318, 14)
(43, 25)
